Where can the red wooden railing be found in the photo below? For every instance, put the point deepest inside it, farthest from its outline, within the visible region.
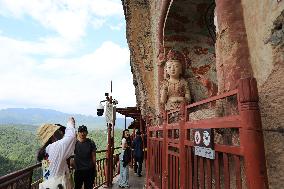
(23, 179)
(239, 151)
(101, 168)
(20, 179)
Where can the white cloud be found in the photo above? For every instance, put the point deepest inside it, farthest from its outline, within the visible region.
(69, 18)
(53, 46)
(70, 85)
(117, 27)
(98, 22)
(106, 7)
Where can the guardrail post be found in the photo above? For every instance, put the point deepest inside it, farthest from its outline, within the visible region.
(148, 153)
(182, 134)
(165, 147)
(109, 159)
(251, 136)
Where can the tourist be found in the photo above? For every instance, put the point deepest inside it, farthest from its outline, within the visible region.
(57, 148)
(138, 153)
(85, 160)
(126, 135)
(124, 160)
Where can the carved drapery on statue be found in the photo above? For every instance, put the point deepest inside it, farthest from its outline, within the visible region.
(174, 88)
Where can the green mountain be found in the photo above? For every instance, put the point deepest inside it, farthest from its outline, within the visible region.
(38, 116)
(19, 146)
(17, 149)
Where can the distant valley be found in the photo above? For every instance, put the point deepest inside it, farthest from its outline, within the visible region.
(38, 116)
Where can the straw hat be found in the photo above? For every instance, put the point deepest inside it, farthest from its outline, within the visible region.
(45, 131)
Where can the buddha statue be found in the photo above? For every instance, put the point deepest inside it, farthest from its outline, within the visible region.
(174, 89)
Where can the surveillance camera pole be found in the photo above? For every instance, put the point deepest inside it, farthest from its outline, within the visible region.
(110, 146)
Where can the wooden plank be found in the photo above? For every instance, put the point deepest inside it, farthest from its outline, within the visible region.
(229, 149)
(173, 153)
(218, 122)
(155, 139)
(190, 162)
(178, 172)
(161, 163)
(195, 174)
(224, 95)
(201, 173)
(217, 171)
(188, 143)
(175, 172)
(172, 172)
(186, 167)
(172, 126)
(226, 171)
(236, 150)
(156, 128)
(238, 172)
(208, 174)
(173, 143)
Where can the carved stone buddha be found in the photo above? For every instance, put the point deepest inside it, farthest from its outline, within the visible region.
(175, 88)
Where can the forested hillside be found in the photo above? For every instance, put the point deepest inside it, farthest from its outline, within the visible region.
(18, 145)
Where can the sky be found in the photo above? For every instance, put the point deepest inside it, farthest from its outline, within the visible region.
(62, 55)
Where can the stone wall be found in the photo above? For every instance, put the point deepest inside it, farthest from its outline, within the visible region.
(264, 21)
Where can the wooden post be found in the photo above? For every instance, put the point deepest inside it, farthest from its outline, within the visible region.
(182, 134)
(148, 154)
(124, 122)
(165, 154)
(109, 157)
(251, 136)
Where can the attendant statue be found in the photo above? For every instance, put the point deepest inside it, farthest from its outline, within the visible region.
(174, 89)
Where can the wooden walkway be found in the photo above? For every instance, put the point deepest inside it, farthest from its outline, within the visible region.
(135, 182)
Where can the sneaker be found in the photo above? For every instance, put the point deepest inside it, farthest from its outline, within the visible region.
(139, 175)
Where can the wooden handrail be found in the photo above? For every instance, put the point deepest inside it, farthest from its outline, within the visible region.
(18, 173)
(15, 176)
(214, 98)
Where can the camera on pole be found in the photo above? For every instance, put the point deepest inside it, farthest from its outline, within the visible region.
(100, 109)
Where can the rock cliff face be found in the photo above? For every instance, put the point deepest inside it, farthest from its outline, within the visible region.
(141, 52)
(248, 42)
(264, 22)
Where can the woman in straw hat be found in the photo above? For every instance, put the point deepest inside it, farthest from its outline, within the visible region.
(57, 148)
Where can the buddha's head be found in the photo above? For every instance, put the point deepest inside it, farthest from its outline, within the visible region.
(174, 64)
(174, 69)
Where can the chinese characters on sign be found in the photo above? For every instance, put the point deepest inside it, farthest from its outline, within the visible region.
(203, 143)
